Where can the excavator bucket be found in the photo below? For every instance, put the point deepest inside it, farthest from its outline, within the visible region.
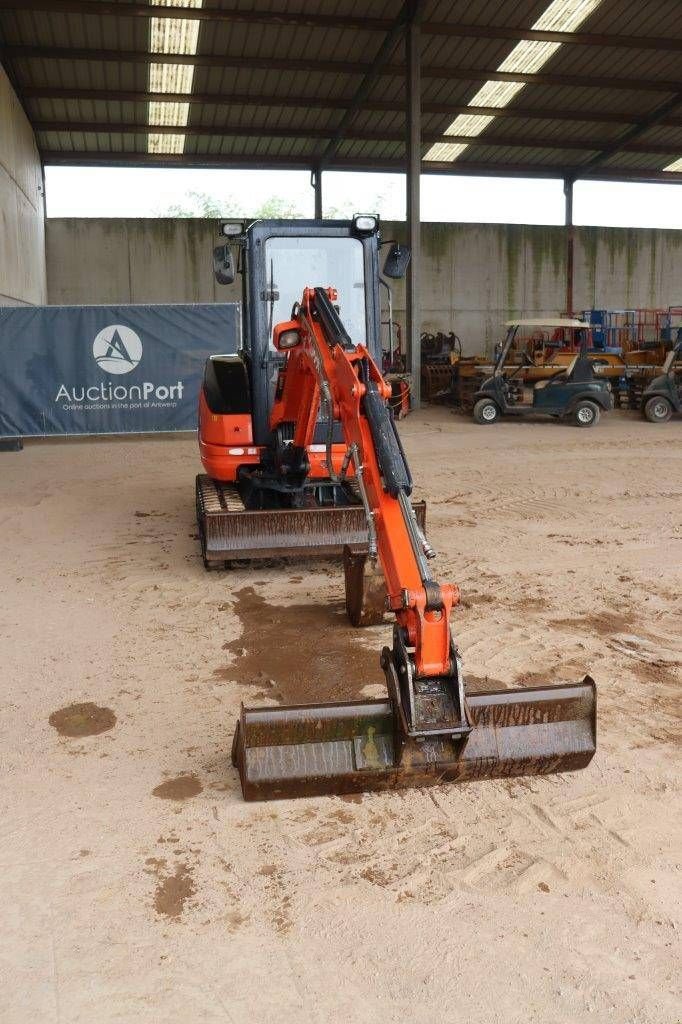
(230, 532)
(362, 746)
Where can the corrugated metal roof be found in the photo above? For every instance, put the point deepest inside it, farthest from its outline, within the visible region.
(260, 86)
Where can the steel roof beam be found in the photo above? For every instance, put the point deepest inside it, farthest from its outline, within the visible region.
(385, 51)
(251, 162)
(303, 132)
(334, 67)
(105, 8)
(316, 103)
(627, 139)
(413, 166)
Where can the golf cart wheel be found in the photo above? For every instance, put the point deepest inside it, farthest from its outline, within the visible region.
(658, 409)
(485, 411)
(586, 414)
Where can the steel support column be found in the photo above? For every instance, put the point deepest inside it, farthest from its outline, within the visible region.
(316, 182)
(570, 240)
(413, 171)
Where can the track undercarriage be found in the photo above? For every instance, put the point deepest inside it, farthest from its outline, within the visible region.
(228, 531)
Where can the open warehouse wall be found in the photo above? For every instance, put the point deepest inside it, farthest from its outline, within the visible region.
(131, 260)
(22, 218)
(474, 277)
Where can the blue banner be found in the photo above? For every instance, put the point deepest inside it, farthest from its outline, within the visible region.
(107, 369)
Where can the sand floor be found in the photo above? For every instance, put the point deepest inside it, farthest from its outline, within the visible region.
(136, 885)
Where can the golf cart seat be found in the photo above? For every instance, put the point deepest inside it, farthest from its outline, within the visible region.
(567, 372)
(583, 371)
(578, 371)
(669, 360)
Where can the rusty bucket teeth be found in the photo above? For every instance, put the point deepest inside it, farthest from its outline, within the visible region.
(359, 746)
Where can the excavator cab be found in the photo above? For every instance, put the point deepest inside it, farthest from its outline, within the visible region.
(280, 259)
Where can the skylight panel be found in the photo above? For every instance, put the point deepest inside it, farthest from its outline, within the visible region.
(178, 36)
(527, 57)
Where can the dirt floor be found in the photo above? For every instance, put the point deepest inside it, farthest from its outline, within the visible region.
(138, 887)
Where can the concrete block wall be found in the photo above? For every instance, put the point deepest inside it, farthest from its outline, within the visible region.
(23, 278)
(475, 276)
(104, 261)
(622, 268)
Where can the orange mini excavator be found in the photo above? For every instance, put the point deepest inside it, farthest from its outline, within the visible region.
(250, 503)
(429, 729)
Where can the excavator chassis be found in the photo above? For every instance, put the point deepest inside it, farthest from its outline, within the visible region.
(229, 532)
(361, 746)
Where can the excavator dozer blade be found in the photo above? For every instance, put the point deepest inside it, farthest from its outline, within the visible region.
(309, 750)
(229, 532)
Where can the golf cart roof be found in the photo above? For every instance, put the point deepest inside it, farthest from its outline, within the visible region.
(548, 322)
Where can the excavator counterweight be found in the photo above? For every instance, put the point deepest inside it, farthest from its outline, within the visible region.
(429, 729)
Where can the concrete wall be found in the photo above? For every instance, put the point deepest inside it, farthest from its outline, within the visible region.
(103, 261)
(22, 221)
(475, 275)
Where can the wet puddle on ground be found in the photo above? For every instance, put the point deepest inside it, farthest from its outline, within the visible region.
(180, 788)
(302, 653)
(172, 890)
(82, 720)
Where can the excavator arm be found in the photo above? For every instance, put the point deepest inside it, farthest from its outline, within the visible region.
(429, 729)
(324, 362)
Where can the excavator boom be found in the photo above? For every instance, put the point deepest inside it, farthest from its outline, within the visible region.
(429, 729)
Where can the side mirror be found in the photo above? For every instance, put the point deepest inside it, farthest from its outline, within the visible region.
(286, 336)
(223, 264)
(397, 261)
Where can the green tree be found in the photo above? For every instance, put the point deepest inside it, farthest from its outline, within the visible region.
(277, 208)
(346, 206)
(202, 204)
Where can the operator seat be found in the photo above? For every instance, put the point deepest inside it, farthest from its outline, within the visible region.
(226, 385)
(582, 371)
(578, 371)
(567, 373)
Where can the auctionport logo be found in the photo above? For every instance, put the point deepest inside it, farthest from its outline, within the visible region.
(117, 349)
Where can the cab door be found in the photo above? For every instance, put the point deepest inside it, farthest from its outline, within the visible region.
(283, 258)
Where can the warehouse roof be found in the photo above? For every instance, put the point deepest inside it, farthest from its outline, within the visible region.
(571, 88)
